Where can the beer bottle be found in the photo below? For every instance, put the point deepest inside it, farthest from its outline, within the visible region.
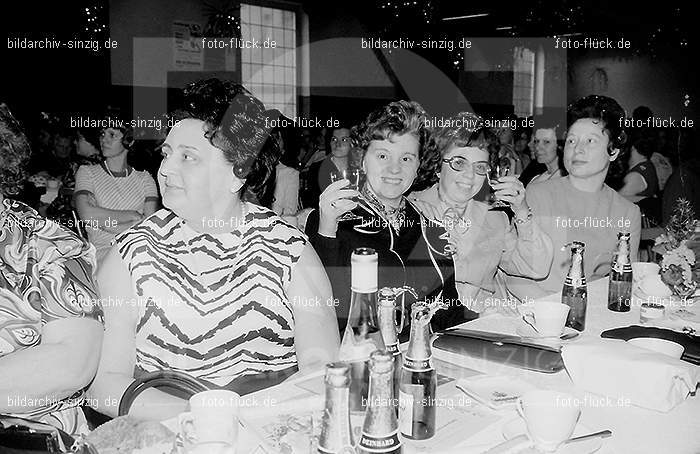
(620, 283)
(575, 292)
(380, 431)
(389, 329)
(418, 384)
(362, 335)
(336, 432)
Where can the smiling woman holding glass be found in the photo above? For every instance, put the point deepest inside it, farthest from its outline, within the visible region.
(481, 241)
(410, 250)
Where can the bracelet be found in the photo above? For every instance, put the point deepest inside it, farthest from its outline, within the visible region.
(528, 218)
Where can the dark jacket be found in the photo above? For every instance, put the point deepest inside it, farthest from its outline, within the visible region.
(412, 257)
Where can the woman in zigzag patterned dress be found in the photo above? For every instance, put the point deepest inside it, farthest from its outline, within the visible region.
(213, 286)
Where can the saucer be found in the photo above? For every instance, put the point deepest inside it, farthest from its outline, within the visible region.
(525, 330)
(516, 427)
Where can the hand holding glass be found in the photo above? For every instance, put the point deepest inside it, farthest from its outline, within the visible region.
(354, 176)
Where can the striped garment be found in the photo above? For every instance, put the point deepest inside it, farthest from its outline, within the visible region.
(214, 305)
(113, 193)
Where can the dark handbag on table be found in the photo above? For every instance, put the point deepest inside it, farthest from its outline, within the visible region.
(690, 342)
(504, 349)
(23, 436)
(179, 383)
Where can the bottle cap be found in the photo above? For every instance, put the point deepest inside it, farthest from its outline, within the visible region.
(364, 269)
(338, 374)
(381, 361)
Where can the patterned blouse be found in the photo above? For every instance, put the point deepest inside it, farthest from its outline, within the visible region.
(46, 274)
(214, 306)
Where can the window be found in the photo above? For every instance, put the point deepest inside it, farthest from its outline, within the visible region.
(270, 73)
(523, 81)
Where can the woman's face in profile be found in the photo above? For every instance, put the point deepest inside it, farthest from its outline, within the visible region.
(194, 177)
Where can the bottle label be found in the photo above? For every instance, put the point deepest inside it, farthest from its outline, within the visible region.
(418, 365)
(394, 349)
(384, 443)
(406, 413)
(575, 281)
(621, 267)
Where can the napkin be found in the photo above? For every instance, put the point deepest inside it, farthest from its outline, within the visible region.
(630, 374)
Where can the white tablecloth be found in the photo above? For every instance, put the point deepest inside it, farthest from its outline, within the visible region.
(635, 430)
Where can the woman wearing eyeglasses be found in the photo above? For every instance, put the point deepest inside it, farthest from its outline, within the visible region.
(481, 241)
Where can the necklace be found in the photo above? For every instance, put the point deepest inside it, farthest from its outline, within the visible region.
(109, 171)
(451, 208)
(394, 216)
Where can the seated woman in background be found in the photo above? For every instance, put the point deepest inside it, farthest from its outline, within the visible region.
(393, 141)
(112, 196)
(547, 151)
(641, 186)
(640, 181)
(483, 241)
(51, 329)
(226, 291)
(286, 193)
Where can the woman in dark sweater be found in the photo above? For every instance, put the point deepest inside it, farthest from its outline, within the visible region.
(411, 250)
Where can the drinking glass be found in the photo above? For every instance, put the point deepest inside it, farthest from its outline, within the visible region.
(501, 169)
(354, 176)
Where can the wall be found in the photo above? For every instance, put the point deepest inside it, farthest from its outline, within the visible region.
(633, 81)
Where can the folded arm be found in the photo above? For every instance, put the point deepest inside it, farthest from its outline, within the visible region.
(112, 221)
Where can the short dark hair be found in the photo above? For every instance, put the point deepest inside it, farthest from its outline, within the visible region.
(600, 109)
(644, 141)
(464, 129)
(397, 118)
(14, 154)
(237, 123)
(122, 123)
(642, 113)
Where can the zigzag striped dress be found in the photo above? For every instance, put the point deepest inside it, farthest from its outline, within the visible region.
(215, 306)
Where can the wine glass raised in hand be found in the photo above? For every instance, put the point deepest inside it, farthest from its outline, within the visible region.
(501, 169)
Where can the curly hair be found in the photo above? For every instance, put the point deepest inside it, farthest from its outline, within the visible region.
(237, 123)
(464, 129)
(14, 154)
(600, 109)
(397, 118)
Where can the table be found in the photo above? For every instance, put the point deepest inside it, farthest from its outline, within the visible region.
(635, 430)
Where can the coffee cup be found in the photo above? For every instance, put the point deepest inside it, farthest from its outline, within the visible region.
(546, 317)
(212, 420)
(640, 270)
(550, 417)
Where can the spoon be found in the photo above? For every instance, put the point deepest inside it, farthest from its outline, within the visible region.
(601, 434)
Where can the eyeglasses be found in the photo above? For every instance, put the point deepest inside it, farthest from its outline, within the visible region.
(459, 164)
(343, 140)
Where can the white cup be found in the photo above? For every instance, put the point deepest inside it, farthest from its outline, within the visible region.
(547, 317)
(640, 270)
(550, 417)
(212, 419)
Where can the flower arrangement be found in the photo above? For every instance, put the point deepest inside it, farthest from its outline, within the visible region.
(678, 247)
